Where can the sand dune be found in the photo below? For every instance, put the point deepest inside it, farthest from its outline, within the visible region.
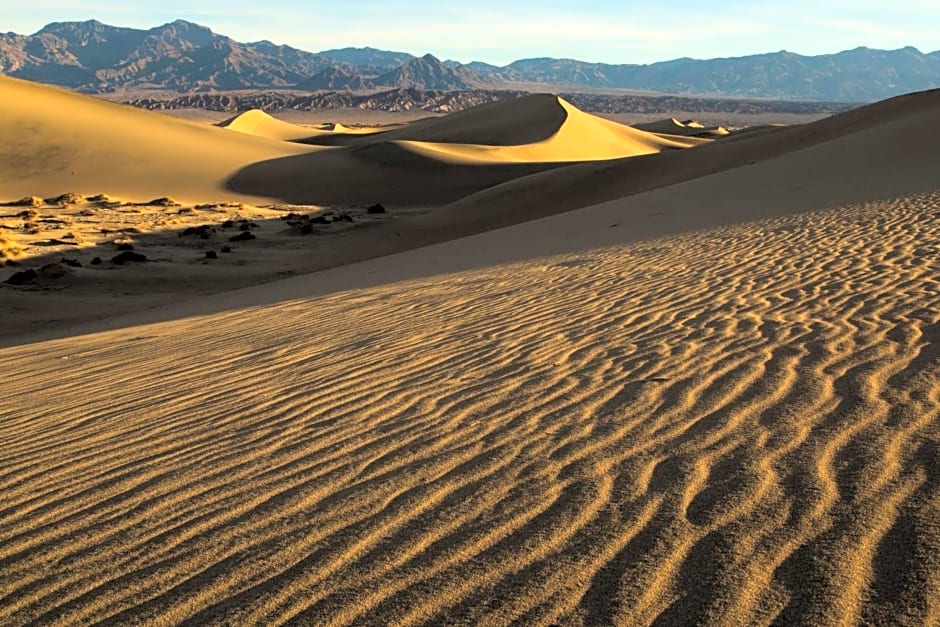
(57, 141)
(855, 156)
(690, 128)
(60, 142)
(260, 124)
(508, 123)
(535, 129)
(581, 137)
(439, 161)
(713, 402)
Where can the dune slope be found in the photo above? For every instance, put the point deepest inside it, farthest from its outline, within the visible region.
(55, 141)
(508, 123)
(258, 123)
(732, 426)
(738, 424)
(873, 151)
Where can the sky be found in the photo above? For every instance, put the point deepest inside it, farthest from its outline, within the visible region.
(501, 31)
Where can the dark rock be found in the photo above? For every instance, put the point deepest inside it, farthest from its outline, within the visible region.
(320, 220)
(25, 277)
(11, 264)
(125, 247)
(67, 198)
(75, 263)
(307, 229)
(348, 218)
(96, 261)
(128, 257)
(164, 201)
(244, 236)
(28, 201)
(228, 224)
(52, 271)
(226, 249)
(376, 208)
(211, 254)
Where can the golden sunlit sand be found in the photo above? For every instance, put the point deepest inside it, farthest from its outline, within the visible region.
(699, 386)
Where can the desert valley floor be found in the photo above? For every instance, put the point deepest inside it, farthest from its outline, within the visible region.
(575, 373)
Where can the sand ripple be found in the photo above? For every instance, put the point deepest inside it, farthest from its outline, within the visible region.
(732, 426)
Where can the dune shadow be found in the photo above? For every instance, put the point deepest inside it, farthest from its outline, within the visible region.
(376, 172)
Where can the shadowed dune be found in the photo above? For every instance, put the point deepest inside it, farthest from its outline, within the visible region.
(672, 126)
(508, 123)
(381, 172)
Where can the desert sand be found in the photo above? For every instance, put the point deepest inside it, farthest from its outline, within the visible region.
(694, 387)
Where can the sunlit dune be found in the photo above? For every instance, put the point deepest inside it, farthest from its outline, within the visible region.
(260, 124)
(676, 387)
(581, 137)
(55, 141)
(689, 128)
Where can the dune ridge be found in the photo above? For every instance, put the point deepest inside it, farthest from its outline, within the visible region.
(730, 425)
(581, 137)
(690, 128)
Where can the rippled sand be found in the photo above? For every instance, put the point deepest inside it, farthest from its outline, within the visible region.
(735, 426)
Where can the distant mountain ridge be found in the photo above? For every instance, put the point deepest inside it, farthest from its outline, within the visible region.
(429, 72)
(185, 57)
(179, 56)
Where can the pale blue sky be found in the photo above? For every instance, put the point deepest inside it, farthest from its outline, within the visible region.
(499, 31)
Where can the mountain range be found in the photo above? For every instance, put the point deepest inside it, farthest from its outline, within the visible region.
(184, 57)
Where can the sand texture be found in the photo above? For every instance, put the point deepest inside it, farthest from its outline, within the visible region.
(738, 425)
(707, 392)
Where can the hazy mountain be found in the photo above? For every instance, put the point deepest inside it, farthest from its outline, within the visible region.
(858, 75)
(429, 72)
(182, 56)
(340, 76)
(370, 58)
(494, 72)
